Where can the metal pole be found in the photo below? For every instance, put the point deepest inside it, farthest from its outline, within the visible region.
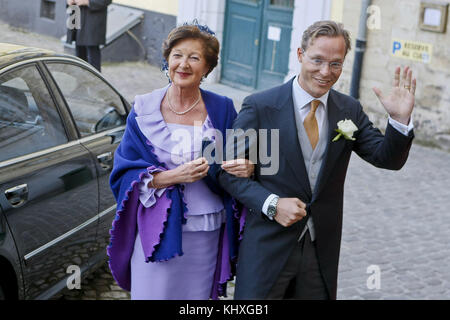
(359, 50)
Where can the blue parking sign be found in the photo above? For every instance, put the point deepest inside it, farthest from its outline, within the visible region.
(396, 46)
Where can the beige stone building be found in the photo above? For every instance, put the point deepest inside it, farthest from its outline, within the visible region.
(394, 20)
(389, 21)
(264, 54)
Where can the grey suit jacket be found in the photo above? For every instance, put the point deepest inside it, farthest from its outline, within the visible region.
(266, 245)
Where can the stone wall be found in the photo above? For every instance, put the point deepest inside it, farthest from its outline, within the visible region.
(400, 19)
(154, 28)
(26, 14)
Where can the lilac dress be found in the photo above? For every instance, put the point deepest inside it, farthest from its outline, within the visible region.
(189, 276)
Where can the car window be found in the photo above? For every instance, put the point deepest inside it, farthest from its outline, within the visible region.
(94, 105)
(29, 120)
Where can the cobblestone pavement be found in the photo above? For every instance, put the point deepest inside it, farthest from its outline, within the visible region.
(400, 222)
(397, 222)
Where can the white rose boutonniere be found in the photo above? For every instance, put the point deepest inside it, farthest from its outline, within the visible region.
(345, 128)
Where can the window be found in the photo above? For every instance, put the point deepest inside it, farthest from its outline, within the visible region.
(48, 9)
(29, 121)
(94, 105)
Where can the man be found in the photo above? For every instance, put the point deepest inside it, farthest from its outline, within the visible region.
(92, 32)
(292, 233)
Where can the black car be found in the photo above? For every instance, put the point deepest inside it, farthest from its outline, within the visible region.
(60, 123)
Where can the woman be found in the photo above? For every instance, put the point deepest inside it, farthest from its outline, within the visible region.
(176, 232)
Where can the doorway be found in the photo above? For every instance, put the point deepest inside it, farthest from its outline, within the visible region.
(256, 43)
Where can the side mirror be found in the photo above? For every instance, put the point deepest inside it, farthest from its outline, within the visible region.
(111, 119)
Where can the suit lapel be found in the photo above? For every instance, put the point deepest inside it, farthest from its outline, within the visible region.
(334, 149)
(283, 118)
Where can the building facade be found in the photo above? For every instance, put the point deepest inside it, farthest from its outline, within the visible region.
(396, 37)
(259, 38)
(259, 41)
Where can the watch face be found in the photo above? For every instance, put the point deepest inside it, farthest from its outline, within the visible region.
(271, 211)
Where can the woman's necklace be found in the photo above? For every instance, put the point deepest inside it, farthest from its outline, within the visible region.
(185, 111)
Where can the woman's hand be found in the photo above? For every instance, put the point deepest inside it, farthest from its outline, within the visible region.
(192, 171)
(240, 167)
(184, 173)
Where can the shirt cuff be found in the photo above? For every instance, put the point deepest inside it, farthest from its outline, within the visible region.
(266, 204)
(400, 127)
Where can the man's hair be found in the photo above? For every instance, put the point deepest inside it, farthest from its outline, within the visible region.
(326, 28)
(211, 45)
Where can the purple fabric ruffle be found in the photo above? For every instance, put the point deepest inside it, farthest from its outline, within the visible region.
(223, 272)
(151, 222)
(122, 250)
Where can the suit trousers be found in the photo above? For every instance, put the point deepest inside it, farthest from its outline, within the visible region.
(300, 278)
(90, 54)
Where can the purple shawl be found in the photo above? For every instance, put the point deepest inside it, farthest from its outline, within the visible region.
(160, 226)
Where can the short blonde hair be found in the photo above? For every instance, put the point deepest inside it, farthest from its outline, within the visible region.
(325, 28)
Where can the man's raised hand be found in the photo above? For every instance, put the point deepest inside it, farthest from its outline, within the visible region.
(400, 102)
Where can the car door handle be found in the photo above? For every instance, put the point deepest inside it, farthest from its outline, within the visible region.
(17, 195)
(105, 160)
(116, 137)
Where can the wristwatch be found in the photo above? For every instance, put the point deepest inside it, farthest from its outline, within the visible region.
(272, 209)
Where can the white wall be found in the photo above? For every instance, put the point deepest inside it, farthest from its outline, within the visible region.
(306, 12)
(209, 12)
(161, 6)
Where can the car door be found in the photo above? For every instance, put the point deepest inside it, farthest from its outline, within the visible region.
(48, 188)
(99, 113)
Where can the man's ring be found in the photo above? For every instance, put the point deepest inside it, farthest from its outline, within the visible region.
(407, 87)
